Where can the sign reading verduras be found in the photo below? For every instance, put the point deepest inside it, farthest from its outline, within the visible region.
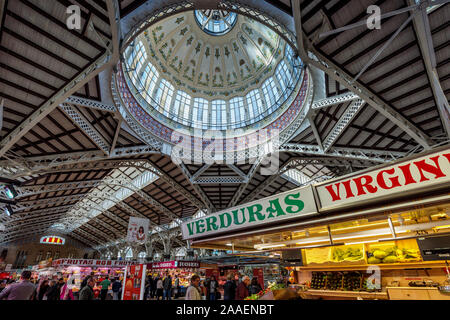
(422, 173)
(137, 229)
(93, 263)
(273, 209)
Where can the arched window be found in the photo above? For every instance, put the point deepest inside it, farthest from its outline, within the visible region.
(200, 115)
(141, 256)
(181, 106)
(271, 93)
(254, 105)
(237, 110)
(164, 96)
(149, 77)
(219, 114)
(129, 254)
(283, 77)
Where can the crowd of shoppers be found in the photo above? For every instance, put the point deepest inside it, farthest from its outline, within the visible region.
(56, 289)
(159, 288)
(232, 290)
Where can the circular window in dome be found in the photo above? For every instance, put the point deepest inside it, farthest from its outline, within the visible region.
(215, 22)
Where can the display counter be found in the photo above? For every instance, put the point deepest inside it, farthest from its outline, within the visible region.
(408, 293)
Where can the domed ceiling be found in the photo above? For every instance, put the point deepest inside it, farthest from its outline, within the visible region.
(214, 66)
(211, 70)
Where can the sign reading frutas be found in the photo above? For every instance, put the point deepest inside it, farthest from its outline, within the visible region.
(93, 263)
(273, 209)
(420, 174)
(137, 230)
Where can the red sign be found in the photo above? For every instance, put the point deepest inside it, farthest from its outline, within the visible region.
(93, 263)
(174, 265)
(259, 274)
(134, 282)
(414, 175)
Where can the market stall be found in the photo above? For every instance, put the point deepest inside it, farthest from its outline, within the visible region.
(381, 233)
(182, 269)
(78, 269)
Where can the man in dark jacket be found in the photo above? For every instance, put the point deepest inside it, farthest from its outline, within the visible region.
(116, 286)
(87, 293)
(167, 284)
(152, 284)
(53, 291)
(85, 280)
(229, 288)
(242, 289)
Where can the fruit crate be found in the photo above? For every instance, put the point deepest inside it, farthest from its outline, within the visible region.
(334, 281)
(400, 251)
(352, 281)
(347, 254)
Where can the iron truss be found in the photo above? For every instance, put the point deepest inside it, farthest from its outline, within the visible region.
(350, 153)
(87, 103)
(323, 103)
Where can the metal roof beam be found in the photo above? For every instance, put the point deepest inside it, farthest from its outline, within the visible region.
(73, 86)
(380, 156)
(422, 28)
(86, 127)
(338, 74)
(88, 103)
(343, 122)
(323, 103)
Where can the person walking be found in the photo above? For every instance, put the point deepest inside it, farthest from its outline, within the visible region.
(105, 286)
(87, 293)
(177, 287)
(85, 280)
(2, 285)
(22, 290)
(116, 286)
(52, 292)
(242, 289)
(66, 290)
(159, 288)
(254, 287)
(229, 288)
(152, 287)
(193, 292)
(167, 285)
(212, 288)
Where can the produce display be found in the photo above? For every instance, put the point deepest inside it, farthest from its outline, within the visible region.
(318, 280)
(392, 254)
(334, 280)
(347, 253)
(346, 281)
(352, 281)
(272, 287)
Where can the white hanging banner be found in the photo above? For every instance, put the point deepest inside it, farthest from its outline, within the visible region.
(137, 230)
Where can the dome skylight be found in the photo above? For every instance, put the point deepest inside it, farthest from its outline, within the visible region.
(215, 22)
